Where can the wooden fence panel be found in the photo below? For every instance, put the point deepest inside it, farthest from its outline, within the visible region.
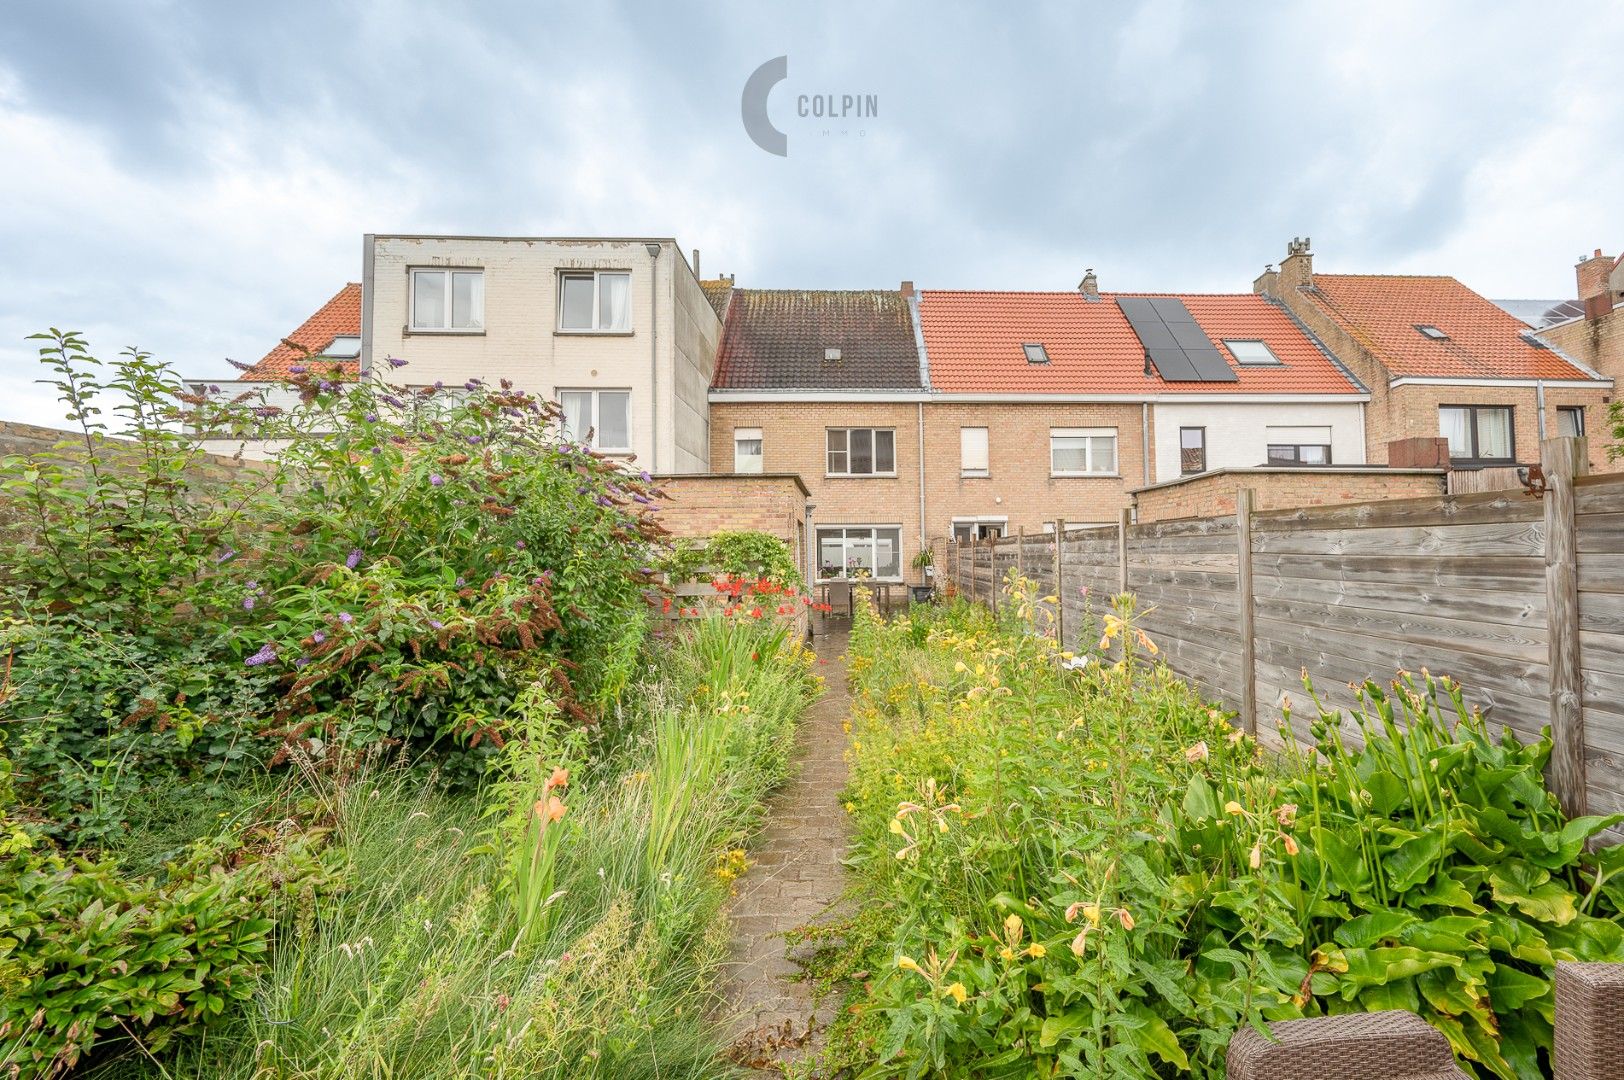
(1519, 598)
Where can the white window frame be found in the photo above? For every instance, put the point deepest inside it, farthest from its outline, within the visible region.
(1090, 434)
(597, 300)
(597, 411)
(965, 466)
(412, 323)
(1577, 411)
(742, 434)
(873, 452)
(843, 528)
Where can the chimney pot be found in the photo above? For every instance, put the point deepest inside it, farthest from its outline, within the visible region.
(907, 290)
(1090, 285)
(697, 274)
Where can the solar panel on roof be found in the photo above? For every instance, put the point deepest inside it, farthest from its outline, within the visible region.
(1174, 342)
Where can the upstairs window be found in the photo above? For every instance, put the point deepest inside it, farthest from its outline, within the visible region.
(595, 302)
(862, 452)
(1192, 450)
(1250, 352)
(747, 450)
(972, 451)
(599, 418)
(1082, 451)
(1299, 445)
(1432, 332)
(1478, 434)
(448, 300)
(1035, 353)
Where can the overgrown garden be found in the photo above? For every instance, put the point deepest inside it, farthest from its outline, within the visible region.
(1071, 866)
(365, 762)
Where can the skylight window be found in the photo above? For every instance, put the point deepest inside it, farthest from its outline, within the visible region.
(1035, 353)
(1251, 352)
(831, 354)
(1433, 332)
(343, 347)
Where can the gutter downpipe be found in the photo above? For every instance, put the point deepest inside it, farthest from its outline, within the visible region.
(1539, 404)
(1144, 437)
(654, 349)
(921, 406)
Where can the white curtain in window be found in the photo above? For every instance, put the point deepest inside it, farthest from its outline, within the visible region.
(1453, 425)
(468, 300)
(577, 413)
(1570, 423)
(747, 450)
(614, 301)
(973, 449)
(1494, 433)
(428, 299)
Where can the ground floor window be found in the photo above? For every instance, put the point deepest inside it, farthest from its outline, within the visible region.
(1570, 421)
(600, 418)
(846, 550)
(1192, 450)
(983, 528)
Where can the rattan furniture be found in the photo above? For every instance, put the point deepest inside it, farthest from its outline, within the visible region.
(1393, 1045)
(1589, 1041)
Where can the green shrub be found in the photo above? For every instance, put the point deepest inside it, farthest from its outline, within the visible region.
(757, 556)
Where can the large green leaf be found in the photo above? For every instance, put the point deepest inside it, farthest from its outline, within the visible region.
(1511, 989)
(1414, 861)
(1153, 1036)
(1531, 890)
(1371, 929)
(1374, 967)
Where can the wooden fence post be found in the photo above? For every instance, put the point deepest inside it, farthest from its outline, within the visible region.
(1122, 549)
(1243, 590)
(992, 570)
(1020, 551)
(953, 548)
(1060, 581)
(1562, 459)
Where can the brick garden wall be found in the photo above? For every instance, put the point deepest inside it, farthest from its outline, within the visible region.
(1213, 494)
(701, 505)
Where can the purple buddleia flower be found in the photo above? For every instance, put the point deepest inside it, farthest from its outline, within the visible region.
(298, 369)
(395, 362)
(473, 440)
(647, 479)
(318, 637)
(345, 617)
(248, 603)
(471, 384)
(438, 385)
(644, 499)
(604, 500)
(239, 365)
(582, 490)
(377, 449)
(265, 412)
(213, 389)
(227, 554)
(437, 624)
(267, 653)
(395, 401)
(519, 545)
(325, 385)
(353, 559)
(436, 479)
(302, 661)
(461, 582)
(538, 581)
(372, 418)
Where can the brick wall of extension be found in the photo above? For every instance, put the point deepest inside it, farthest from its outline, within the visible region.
(1212, 494)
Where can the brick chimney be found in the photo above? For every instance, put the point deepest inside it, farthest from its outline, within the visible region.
(1089, 286)
(907, 290)
(1592, 273)
(1297, 268)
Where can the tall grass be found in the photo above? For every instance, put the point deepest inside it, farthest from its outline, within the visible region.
(424, 967)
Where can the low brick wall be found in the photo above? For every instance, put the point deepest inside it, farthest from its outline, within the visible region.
(703, 504)
(1212, 494)
(27, 439)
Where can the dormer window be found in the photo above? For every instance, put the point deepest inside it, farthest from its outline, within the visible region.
(343, 347)
(1035, 353)
(1432, 332)
(831, 355)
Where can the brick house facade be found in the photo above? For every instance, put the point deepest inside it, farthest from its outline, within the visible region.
(1423, 343)
(1595, 338)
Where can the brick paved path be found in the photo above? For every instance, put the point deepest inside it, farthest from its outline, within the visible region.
(796, 876)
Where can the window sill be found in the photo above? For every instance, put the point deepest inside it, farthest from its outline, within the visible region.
(975, 474)
(860, 476)
(1085, 476)
(594, 333)
(423, 331)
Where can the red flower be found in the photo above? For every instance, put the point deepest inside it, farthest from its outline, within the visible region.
(755, 613)
(665, 608)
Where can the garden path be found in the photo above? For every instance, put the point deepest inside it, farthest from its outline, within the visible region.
(795, 878)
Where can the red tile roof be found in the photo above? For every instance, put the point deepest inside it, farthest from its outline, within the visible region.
(1382, 311)
(973, 345)
(338, 317)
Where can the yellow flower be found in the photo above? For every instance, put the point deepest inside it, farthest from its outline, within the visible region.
(1234, 808)
(896, 826)
(907, 963)
(1007, 953)
(1036, 951)
(957, 992)
(851, 808)
(1012, 927)
(1255, 859)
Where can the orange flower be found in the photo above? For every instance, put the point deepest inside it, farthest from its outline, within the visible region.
(555, 808)
(560, 778)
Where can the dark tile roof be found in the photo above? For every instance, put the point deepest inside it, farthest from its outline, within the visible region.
(717, 291)
(775, 339)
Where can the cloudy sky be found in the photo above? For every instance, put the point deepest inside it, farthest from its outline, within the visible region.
(195, 177)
